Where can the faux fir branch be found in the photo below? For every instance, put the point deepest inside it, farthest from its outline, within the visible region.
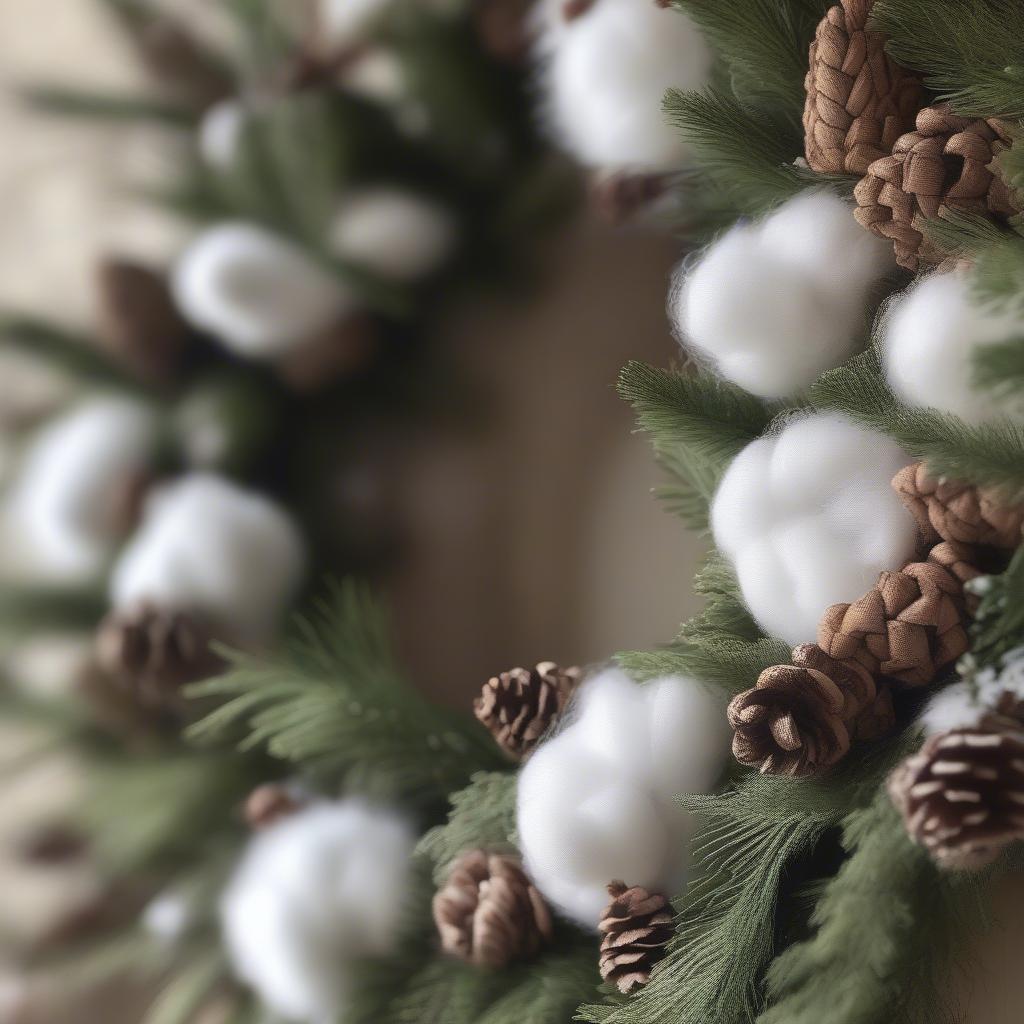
(101, 106)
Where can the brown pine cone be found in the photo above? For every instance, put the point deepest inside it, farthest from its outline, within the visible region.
(859, 101)
(958, 512)
(962, 794)
(947, 164)
(911, 624)
(489, 913)
(635, 931)
(800, 719)
(519, 706)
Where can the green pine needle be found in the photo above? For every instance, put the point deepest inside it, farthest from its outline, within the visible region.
(79, 103)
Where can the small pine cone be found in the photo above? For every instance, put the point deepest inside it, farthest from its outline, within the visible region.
(338, 352)
(488, 913)
(859, 101)
(635, 931)
(911, 624)
(519, 706)
(947, 164)
(154, 652)
(800, 719)
(958, 512)
(962, 794)
(268, 804)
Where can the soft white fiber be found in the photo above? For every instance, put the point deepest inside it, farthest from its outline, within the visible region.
(344, 23)
(595, 803)
(964, 704)
(809, 519)
(605, 73)
(260, 294)
(220, 133)
(393, 233)
(208, 547)
(929, 338)
(311, 896)
(774, 304)
(61, 517)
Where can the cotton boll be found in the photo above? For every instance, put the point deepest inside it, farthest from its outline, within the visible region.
(595, 805)
(809, 519)
(312, 896)
(260, 294)
(222, 553)
(344, 22)
(929, 339)
(62, 517)
(773, 305)
(377, 74)
(168, 917)
(395, 234)
(220, 133)
(605, 74)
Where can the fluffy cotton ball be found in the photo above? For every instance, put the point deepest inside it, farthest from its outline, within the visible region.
(965, 704)
(929, 338)
(774, 304)
(596, 802)
(376, 74)
(220, 133)
(168, 917)
(208, 547)
(260, 294)
(343, 23)
(809, 519)
(312, 895)
(605, 74)
(62, 515)
(393, 233)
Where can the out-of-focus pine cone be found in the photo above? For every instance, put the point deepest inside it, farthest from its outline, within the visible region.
(519, 706)
(489, 913)
(270, 803)
(859, 101)
(800, 719)
(619, 197)
(635, 931)
(340, 351)
(962, 794)
(154, 652)
(958, 512)
(947, 164)
(911, 624)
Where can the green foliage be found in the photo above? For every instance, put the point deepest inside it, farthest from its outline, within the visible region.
(336, 704)
(998, 625)
(51, 99)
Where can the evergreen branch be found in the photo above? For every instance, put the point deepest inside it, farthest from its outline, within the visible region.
(27, 608)
(183, 996)
(78, 103)
(999, 367)
(998, 623)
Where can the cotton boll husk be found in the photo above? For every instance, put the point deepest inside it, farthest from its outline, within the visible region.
(809, 519)
(773, 305)
(393, 233)
(311, 896)
(604, 77)
(61, 519)
(930, 335)
(260, 294)
(210, 548)
(220, 133)
(596, 802)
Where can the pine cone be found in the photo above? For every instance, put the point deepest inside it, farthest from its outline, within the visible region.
(911, 624)
(154, 652)
(962, 794)
(268, 804)
(947, 164)
(619, 197)
(489, 913)
(636, 928)
(859, 101)
(958, 512)
(519, 706)
(800, 719)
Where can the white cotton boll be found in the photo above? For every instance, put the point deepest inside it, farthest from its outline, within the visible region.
(344, 22)
(773, 305)
(220, 133)
(312, 896)
(393, 233)
(168, 917)
(808, 519)
(377, 74)
(260, 294)
(594, 806)
(208, 547)
(62, 515)
(605, 74)
(930, 336)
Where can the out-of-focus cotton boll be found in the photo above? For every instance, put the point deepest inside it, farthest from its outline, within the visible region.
(772, 305)
(344, 22)
(224, 554)
(605, 74)
(376, 74)
(311, 896)
(596, 803)
(65, 510)
(395, 234)
(220, 133)
(258, 293)
(809, 519)
(965, 704)
(930, 338)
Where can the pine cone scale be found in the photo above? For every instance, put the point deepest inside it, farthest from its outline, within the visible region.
(636, 928)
